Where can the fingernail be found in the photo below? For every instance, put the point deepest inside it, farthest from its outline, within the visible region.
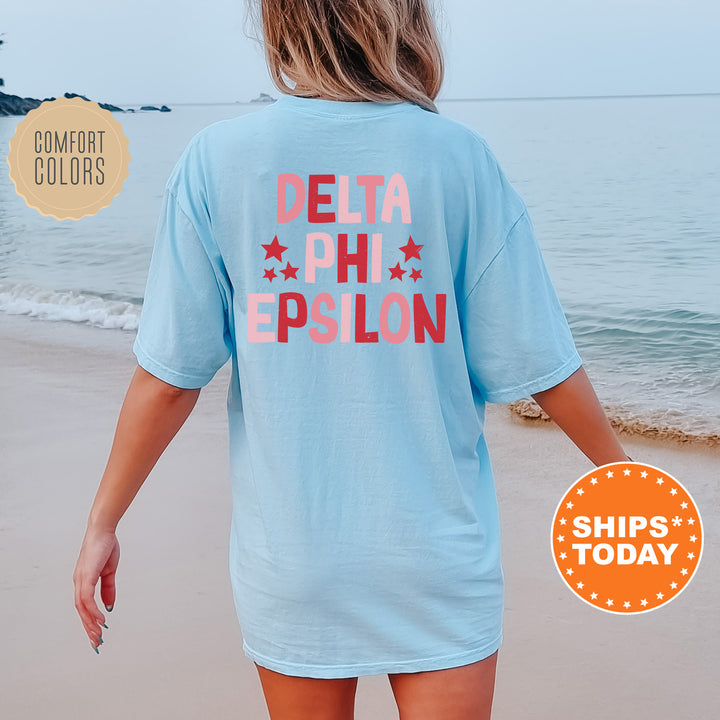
(96, 650)
(101, 641)
(105, 626)
(109, 607)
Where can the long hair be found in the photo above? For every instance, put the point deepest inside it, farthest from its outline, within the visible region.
(377, 50)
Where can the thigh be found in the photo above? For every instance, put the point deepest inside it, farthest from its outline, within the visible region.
(301, 698)
(461, 693)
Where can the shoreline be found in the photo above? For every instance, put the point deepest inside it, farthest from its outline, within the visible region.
(626, 422)
(173, 637)
(530, 413)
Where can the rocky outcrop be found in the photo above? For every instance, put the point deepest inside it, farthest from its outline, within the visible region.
(104, 106)
(263, 98)
(16, 105)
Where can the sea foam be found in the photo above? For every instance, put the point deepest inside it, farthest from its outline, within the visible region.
(658, 424)
(69, 305)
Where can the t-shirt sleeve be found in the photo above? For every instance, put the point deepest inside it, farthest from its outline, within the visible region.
(517, 339)
(183, 335)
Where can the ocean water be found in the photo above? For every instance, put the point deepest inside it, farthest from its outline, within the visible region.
(624, 194)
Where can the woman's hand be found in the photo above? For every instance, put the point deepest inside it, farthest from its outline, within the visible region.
(152, 412)
(98, 560)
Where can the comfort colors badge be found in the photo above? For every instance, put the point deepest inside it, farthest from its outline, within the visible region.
(68, 158)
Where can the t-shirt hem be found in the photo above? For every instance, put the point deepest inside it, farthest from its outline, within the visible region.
(545, 382)
(172, 377)
(442, 662)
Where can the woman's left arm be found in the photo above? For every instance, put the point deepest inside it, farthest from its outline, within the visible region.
(152, 413)
(575, 408)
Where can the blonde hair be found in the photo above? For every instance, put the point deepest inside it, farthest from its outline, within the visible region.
(377, 50)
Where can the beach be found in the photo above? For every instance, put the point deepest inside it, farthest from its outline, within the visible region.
(174, 648)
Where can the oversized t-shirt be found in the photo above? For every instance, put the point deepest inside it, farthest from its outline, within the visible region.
(374, 279)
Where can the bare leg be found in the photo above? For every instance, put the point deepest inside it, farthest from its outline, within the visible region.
(300, 698)
(461, 693)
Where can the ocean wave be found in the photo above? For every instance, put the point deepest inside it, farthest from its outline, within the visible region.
(649, 334)
(657, 368)
(103, 311)
(657, 424)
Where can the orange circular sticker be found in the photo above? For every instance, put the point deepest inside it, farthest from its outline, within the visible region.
(627, 538)
(68, 158)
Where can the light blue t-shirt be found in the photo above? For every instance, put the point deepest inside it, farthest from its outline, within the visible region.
(374, 279)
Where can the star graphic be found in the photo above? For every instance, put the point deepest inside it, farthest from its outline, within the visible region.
(609, 602)
(569, 505)
(593, 596)
(563, 556)
(580, 491)
(643, 474)
(626, 472)
(626, 604)
(659, 481)
(580, 585)
(561, 538)
(691, 521)
(397, 272)
(609, 473)
(693, 538)
(684, 571)
(274, 250)
(569, 571)
(412, 249)
(673, 585)
(643, 602)
(416, 274)
(593, 481)
(290, 272)
(563, 521)
(270, 274)
(659, 596)
(683, 506)
(673, 491)
(690, 555)
(677, 521)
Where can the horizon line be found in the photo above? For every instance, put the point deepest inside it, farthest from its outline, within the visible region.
(469, 99)
(581, 97)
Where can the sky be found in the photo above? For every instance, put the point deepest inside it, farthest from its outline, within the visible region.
(145, 51)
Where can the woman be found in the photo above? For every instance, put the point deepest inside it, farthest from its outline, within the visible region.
(375, 279)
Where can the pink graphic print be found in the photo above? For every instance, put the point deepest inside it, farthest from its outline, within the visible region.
(325, 317)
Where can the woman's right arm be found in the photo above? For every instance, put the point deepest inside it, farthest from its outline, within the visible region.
(575, 408)
(152, 413)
